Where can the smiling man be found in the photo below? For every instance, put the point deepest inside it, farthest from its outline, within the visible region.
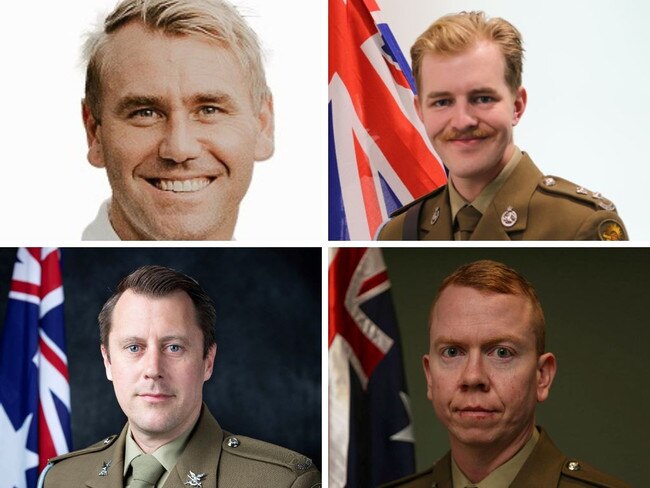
(177, 110)
(468, 71)
(158, 344)
(486, 370)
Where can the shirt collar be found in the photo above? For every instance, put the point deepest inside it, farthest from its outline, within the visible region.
(504, 475)
(166, 455)
(483, 200)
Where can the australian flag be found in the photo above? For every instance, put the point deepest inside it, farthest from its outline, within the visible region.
(379, 155)
(34, 385)
(370, 430)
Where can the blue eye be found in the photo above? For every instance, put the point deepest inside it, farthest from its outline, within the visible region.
(503, 352)
(175, 348)
(484, 99)
(450, 352)
(133, 348)
(144, 112)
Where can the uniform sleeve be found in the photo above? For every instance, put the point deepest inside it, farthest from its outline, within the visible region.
(602, 226)
(310, 479)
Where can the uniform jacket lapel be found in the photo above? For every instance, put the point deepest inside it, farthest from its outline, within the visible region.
(543, 467)
(115, 472)
(515, 194)
(441, 475)
(201, 455)
(437, 228)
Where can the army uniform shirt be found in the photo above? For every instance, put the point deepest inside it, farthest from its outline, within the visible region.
(520, 204)
(212, 458)
(545, 467)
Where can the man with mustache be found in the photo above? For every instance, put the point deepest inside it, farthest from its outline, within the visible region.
(177, 110)
(486, 370)
(158, 344)
(468, 71)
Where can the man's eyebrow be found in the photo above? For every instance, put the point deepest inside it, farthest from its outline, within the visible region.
(438, 94)
(489, 341)
(217, 98)
(131, 102)
(485, 89)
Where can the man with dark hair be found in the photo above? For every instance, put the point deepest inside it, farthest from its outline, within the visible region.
(486, 370)
(468, 71)
(158, 345)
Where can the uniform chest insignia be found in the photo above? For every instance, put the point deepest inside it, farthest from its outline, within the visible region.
(104, 470)
(435, 216)
(194, 479)
(509, 217)
(610, 230)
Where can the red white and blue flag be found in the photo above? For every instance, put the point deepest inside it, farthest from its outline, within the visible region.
(379, 155)
(370, 430)
(34, 385)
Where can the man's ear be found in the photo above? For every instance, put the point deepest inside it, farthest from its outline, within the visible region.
(546, 369)
(107, 362)
(521, 100)
(265, 145)
(93, 136)
(418, 108)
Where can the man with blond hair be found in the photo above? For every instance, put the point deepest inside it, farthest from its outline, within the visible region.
(486, 370)
(158, 342)
(177, 110)
(468, 73)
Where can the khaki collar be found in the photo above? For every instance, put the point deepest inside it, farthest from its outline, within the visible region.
(483, 200)
(503, 475)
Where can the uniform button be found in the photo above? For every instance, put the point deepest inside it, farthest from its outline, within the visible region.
(233, 442)
(574, 466)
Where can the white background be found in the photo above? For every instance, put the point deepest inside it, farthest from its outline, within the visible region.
(51, 192)
(587, 73)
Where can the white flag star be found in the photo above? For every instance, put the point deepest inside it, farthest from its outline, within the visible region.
(16, 458)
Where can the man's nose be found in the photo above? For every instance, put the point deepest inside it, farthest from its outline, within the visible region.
(463, 116)
(474, 374)
(152, 363)
(180, 142)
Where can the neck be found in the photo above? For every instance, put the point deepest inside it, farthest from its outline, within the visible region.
(478, 461)
(150, 441)
(471, 187)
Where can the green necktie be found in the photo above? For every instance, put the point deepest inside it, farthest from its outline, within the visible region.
(146, 471)
(467, 218)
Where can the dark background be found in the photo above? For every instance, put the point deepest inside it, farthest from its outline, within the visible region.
(597, 307)
(267, 376)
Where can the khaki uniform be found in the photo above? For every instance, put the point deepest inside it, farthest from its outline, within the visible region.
(529, 206)
(225, 460)
(546, 467)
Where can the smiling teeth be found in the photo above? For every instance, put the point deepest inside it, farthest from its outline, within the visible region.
(180, 186)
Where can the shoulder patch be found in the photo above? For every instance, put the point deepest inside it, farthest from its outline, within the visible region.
(99, 446)
(403, 209)
(591, 476)
(611, 230)
(560, 186)
(266, 452)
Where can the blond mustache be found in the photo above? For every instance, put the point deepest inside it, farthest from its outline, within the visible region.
(468, 134)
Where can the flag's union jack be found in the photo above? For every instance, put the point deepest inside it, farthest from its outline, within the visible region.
(34, 386)
(379, 155)
(370, 432)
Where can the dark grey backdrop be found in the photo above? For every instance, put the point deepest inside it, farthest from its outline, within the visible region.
(267, 376)
(596, 303)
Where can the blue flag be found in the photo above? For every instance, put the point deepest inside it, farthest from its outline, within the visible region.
(34, 384)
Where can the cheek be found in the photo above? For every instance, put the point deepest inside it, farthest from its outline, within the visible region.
(233, 143)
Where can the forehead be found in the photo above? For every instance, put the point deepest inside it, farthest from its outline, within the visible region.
(479, 66)
(139, 60)
(466, 313)
(136, 312)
